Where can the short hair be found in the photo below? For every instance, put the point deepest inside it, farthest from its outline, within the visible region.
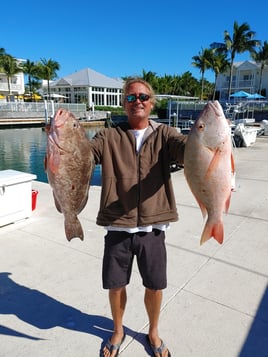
(132, 80)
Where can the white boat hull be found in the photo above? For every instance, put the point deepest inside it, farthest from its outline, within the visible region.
(247, 134)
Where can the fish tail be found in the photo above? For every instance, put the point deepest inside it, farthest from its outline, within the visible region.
(73, 229)
(212, 231)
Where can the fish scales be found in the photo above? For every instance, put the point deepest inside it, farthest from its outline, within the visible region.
(208, 168)
(69, 165)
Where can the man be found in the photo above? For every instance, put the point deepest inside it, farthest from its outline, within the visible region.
(137, 203)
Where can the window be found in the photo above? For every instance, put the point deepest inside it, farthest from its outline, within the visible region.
(111, 100)
(98, 99)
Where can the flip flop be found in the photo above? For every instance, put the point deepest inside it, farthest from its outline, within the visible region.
(158, 350)
(115, 347)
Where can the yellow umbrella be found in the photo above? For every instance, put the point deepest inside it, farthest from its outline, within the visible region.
(36, 96)
(33, 96)
(2, 96)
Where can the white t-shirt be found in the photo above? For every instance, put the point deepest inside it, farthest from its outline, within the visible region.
(139, 134)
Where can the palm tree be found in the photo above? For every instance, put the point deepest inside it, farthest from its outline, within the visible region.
(30, 69)
(151, 78)
(47, 69)
(36, 84)
(176, 85)
(241, 41)
(2, 54)
(188, 85)
(261, 57)
(219, 64)
(10, 67)
(2, 51)
(166, 84)
(202, 62)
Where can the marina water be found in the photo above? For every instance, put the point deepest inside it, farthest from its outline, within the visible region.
(24, 149)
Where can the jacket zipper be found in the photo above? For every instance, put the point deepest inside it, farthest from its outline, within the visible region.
(138, 185)
(138, 175)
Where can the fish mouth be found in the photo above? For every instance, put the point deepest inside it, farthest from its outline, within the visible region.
(216, 107)
(53, 138)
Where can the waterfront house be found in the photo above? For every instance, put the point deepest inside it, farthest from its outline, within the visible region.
(16, 84)
(90, 87)
(246, 77)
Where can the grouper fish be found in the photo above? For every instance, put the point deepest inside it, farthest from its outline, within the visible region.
(209, 166)
(69, 165)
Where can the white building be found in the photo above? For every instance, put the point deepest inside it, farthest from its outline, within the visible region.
(246, 77)
(16, 83)
(90, 87)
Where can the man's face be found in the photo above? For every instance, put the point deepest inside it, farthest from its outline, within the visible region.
(139, 109)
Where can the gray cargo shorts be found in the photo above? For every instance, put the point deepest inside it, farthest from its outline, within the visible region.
(150, 251)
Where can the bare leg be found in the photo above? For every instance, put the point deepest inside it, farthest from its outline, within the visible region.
(153, 300)
(118, 299)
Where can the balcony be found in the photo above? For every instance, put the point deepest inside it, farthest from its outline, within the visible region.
(15, 88)
(249, 85)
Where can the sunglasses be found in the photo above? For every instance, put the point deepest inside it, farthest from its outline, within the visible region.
(131, 98)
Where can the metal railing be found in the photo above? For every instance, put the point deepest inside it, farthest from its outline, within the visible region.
(40, 107)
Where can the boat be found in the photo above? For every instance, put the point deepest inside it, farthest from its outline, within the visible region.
(244, 129)
(264, 126)
(245, 135)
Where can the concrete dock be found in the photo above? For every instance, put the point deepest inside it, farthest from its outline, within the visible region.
(216, 304)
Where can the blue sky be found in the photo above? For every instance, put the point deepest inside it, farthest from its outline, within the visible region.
(122, 38)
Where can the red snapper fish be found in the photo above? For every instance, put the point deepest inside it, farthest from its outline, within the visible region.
(208, 168)
(69, 165)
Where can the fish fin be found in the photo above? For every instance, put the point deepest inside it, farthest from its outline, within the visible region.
(47, 128)
(232, 163)
(227, 203)
(202, 206)
(203, 209)
(53, 161)
(213, 163)
(212, 231)
(57, 203)
(45, 163)
(83, 204)
(53, 166)
(73, 228)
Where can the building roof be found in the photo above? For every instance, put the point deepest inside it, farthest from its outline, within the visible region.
(246, 65)
(89, 78)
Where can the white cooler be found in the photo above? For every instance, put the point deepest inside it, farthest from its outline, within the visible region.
(15, 196)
